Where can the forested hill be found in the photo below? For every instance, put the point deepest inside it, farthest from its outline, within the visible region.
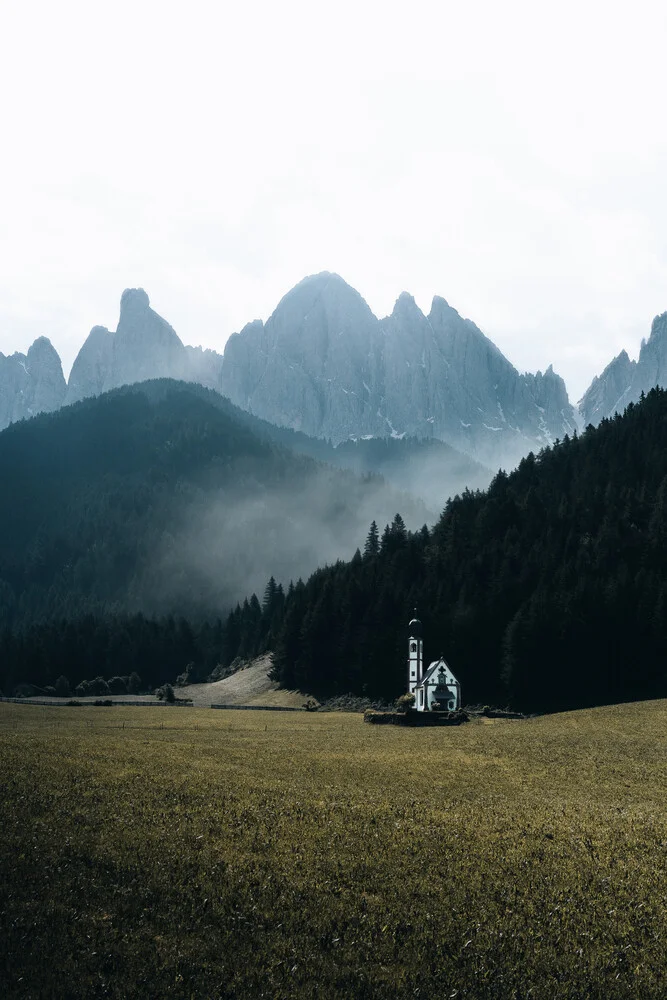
(159, 497)
(549, 590)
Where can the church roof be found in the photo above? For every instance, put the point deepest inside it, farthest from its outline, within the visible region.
(415, 628)
(434, 668)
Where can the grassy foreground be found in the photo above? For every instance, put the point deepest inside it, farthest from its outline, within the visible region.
(244, 854)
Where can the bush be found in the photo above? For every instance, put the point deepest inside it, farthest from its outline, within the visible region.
(166, 693)
(405, 702)
(118, 685)
(81, 690)
(62, 687)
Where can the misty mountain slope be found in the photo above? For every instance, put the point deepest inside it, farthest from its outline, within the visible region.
(156, 497)
(623, 380)
(548, 590)
(429, 469)
(325, 365)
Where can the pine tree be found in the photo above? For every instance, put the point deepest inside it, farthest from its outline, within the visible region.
(372, 546)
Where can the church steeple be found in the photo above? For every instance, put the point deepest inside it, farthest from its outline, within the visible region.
(415, 653)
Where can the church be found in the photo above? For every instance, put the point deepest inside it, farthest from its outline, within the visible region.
(435, 689)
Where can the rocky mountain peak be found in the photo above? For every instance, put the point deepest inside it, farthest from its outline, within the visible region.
(609, 392)
(659, 327)
(134, 300)
(326, 293)
(405, 307)
(43, 349)
(144, 346)
(30, 383)
(439, 305)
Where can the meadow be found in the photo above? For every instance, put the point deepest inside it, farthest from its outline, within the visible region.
(190, 853)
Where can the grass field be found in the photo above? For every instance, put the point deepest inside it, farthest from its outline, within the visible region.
(191, 853)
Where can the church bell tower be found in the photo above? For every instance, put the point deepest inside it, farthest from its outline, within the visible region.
(415, 654)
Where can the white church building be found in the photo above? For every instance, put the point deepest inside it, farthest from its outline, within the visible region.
(435, 689)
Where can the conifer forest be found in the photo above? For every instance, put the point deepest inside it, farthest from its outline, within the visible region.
(546, 591)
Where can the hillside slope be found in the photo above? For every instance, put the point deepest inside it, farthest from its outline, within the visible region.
(157, 498)
(249, 686)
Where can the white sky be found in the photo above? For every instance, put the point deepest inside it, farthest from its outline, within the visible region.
(510, 156)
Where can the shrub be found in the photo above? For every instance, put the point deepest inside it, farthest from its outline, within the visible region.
(81, 690)
(405, 702)
(166, 693)
(118, 685)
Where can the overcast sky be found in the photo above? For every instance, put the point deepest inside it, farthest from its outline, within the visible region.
(509, 156)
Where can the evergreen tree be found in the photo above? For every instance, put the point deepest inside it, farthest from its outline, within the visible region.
(372, 546)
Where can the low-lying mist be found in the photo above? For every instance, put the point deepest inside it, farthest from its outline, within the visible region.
(226, 546)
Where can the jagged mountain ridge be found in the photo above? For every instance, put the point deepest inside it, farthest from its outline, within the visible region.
(624, 380)
(324, 364)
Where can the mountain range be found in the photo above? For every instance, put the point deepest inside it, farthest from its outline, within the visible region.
(325, 365)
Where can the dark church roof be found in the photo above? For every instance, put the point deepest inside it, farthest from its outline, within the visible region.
(415, 628)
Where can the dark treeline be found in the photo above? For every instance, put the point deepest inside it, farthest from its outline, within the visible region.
(548, 591)
(158, 650)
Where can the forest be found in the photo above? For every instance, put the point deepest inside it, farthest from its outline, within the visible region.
(547, 591)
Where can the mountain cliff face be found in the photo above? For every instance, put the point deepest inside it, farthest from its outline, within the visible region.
(309, 366)
(30, 383)
(623, 380)
(144, 346)
(325, 365)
